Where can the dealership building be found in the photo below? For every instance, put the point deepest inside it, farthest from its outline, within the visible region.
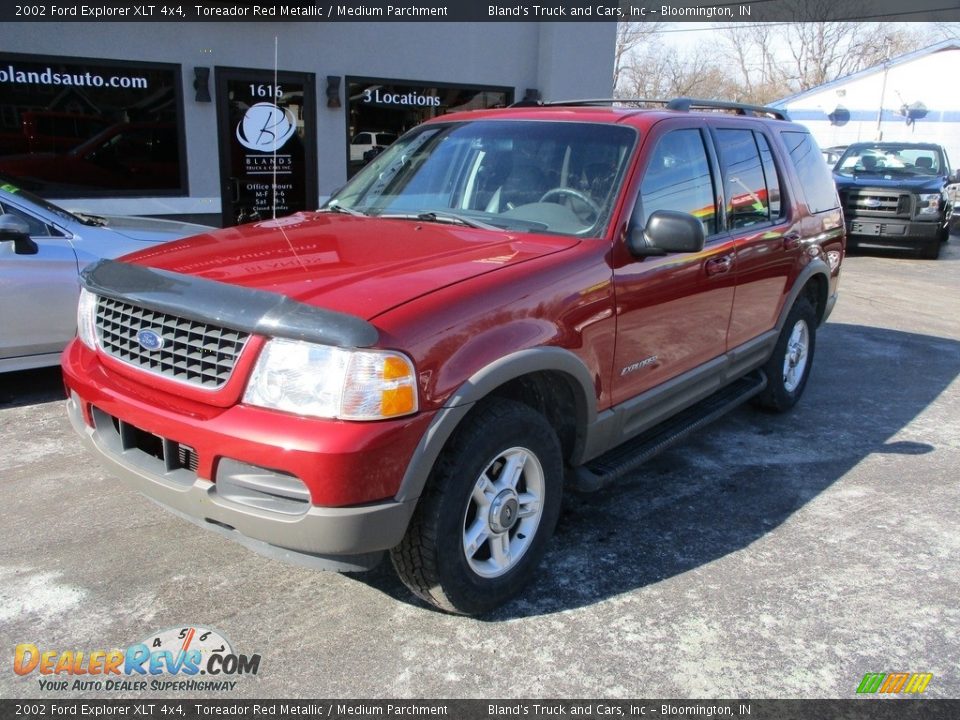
(908, 98)
(222, 122)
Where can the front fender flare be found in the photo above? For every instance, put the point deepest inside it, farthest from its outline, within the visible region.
(479, 386)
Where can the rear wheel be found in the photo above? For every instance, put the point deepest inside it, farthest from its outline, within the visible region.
(788, 368)
(489, 510)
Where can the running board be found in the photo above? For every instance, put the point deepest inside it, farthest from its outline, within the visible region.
(624, 458)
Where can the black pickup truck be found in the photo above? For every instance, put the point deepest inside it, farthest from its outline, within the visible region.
(895, 195)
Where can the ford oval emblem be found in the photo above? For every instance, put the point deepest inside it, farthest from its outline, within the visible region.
(150, 340)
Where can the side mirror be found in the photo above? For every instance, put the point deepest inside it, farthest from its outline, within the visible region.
(16, 229)
(667, 231)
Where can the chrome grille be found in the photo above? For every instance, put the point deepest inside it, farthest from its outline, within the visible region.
(192, 352)
(878, 203)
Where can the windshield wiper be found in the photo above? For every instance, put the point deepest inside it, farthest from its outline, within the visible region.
(442, 216)
(94, 220)
(343, 209)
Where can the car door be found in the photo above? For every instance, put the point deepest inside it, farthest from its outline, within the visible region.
(673, 311)
(766, 233)
(38, 293)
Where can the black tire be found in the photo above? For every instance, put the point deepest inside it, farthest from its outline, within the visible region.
(432, 560)
(784, 389)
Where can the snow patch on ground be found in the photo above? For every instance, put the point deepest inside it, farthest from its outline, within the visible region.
(24, 591)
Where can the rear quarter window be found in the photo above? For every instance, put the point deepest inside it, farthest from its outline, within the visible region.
(815, 178)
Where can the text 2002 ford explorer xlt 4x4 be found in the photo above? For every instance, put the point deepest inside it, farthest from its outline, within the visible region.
(487, 312)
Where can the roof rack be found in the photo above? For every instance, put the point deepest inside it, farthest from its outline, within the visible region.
(680, 104)
(589, 102)
(609, 101)
(685, 104)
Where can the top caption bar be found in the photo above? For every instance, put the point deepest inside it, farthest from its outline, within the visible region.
(478, 11)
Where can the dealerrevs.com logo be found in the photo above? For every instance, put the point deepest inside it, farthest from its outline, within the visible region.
(192, 659)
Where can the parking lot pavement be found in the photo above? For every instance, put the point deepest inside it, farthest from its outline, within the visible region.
(769, 556)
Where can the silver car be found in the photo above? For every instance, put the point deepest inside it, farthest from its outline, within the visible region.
(42, 250)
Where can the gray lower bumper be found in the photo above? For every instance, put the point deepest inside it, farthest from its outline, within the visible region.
(342, 538)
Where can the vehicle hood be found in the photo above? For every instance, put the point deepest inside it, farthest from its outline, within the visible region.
(357, 265)
(153, 230)
(875, 180)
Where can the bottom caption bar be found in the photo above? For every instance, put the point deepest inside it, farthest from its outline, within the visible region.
(854, 709)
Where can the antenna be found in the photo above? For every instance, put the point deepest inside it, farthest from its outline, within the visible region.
(275, 101)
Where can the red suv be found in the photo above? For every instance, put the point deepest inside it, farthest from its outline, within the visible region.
(501, 305)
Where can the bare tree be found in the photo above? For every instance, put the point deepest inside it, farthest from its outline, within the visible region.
(644, 76)
(761, 62)
(811, 53)
(662, 72)
(948, 31)
(631, 36)
(752, 51)
(820, 52)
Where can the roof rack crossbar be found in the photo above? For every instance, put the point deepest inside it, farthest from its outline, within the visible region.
(680, 104)
(685, 104)
(609, 101)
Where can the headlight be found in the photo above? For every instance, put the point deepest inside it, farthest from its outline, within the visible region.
(929, 204)
(87, 319)
(331, 382)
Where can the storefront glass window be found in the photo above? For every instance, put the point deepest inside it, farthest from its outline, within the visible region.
(267, 144)
(71, 127)
(379, 111)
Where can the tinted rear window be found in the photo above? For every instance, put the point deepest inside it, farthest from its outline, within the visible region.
(815, 177)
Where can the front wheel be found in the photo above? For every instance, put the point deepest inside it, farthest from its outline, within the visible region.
(488, 511)
(788, 368)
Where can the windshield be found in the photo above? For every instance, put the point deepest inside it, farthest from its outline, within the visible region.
(14, 189)
(558, 177)
(898, 160)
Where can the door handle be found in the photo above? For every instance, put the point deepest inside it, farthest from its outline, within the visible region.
(791, 241)
(723, 264)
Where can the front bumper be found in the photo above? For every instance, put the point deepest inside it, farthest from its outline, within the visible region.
(890, 233)
(344, 539)
(345, 514)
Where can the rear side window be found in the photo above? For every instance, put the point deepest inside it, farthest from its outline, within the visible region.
(771, 175)
(678, 178)
(815, 177)
(745, 184)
